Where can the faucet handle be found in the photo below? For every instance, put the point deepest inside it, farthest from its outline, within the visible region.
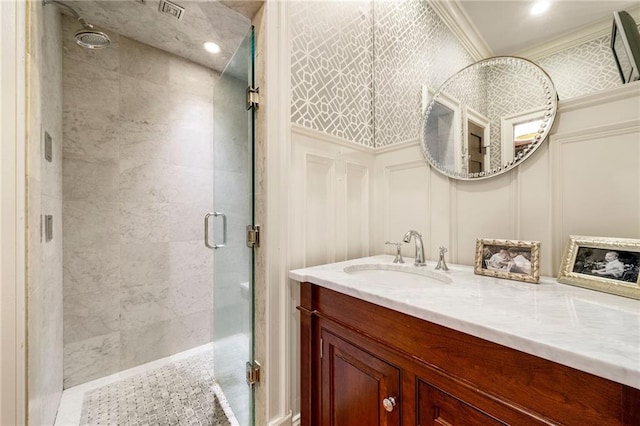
(441, 263)
(398, 258)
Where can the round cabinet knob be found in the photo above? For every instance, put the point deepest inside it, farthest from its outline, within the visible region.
(389, 403)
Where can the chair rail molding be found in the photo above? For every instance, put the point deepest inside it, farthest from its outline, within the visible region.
(326, 137)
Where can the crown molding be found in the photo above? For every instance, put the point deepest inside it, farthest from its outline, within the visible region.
(457, 20)
(574, 38)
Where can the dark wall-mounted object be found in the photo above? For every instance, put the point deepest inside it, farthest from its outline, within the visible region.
(625, 45)
(48, 228)
(48, 147)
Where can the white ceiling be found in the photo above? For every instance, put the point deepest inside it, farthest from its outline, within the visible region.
(505, 25)
(223, 22)
(508, 28)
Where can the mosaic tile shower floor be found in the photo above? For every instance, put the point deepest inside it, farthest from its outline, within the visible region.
(177, 390)
(180, 393)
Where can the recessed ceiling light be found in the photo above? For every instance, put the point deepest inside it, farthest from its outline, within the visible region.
(539, 7)
(210, 46)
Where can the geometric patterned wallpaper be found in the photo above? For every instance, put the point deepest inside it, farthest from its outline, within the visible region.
(413, 47)
(338, 88)
(332, 68)
(357, 68)
(582, 69)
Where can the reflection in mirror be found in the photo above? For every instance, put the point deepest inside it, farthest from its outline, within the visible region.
(488, 118)
(519, 132)
(444, 131)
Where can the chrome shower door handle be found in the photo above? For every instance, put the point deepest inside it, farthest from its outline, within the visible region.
(224, 230)
(206, 230)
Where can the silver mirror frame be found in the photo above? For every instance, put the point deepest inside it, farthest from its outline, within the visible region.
(550, 110)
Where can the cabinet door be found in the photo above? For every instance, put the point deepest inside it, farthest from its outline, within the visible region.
(355, 384)
(439, 408)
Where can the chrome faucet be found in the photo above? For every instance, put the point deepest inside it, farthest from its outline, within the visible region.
(417, 237)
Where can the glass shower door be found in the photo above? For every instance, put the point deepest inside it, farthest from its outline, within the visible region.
(233, 313)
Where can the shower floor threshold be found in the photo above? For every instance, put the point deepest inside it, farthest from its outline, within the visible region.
(71, 403)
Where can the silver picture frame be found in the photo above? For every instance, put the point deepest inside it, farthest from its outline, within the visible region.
(610, 265)
(509, 259)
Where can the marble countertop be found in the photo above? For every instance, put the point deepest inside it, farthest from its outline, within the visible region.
(585, 329)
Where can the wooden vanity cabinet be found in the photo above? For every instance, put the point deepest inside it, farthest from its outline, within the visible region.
(355, 354)
(353, 383)
(436, 407)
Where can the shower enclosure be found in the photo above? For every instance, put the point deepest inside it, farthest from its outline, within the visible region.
(140, 140)
(234, 124)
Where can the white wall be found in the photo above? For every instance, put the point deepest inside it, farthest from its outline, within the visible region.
(331, 185)
(12, 223)
(331, 190)
(561, 189)
(351, 199)
(584, 180)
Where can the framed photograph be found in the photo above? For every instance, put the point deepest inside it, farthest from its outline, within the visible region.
(604, 264)
(511, 259)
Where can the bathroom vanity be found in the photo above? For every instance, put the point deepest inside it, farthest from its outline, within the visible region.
(399, 345)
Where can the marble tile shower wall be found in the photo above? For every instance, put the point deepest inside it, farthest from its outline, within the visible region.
(137, 180)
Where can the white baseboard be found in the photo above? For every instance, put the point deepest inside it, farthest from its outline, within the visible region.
(295, 420)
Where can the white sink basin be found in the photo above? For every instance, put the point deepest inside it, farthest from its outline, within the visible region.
(393, 275)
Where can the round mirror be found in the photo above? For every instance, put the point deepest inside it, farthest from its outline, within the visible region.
(488, 118)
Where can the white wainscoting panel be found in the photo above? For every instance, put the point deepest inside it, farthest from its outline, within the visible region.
(597, 173)
(320, 209)
(442, 216)
(484, 209)
(584, 180)
(533, 207)
(405, 206)
(357, 211)
(595, 167)
(402, 199)
(331, 197)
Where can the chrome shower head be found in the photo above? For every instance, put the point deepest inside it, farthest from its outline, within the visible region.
(92, 39)
(87, 37)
